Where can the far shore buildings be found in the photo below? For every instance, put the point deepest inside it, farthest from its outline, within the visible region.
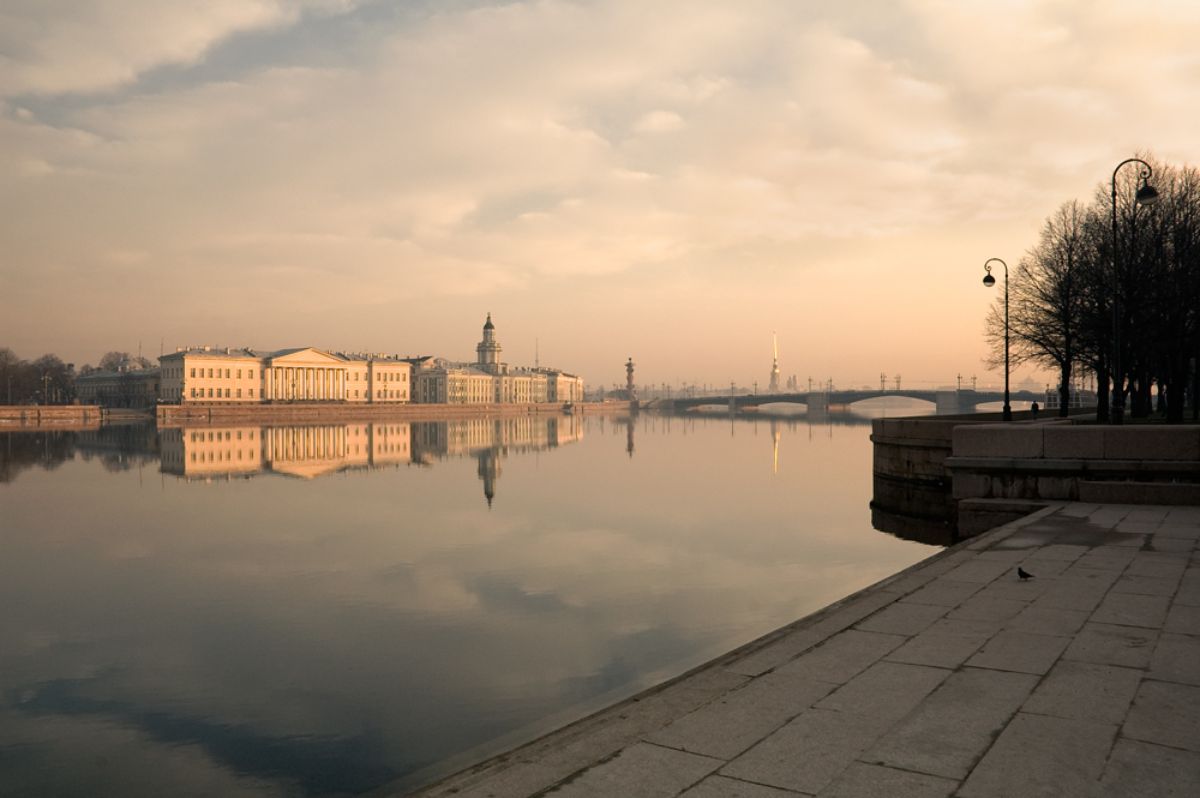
(208, 375)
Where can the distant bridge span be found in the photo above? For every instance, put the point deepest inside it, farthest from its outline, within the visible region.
(948, 401)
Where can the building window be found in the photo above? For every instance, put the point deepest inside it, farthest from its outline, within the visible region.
(193, 372)
(210, 393)
(250, 373)
(239, 396)
(251, 392)
(239, 374)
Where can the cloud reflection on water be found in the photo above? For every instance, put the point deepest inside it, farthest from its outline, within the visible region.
(282, 636)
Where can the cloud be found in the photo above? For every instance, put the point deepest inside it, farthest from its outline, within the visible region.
(56, 46)
(473, 149)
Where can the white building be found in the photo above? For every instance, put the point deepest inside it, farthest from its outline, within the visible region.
(491, 381)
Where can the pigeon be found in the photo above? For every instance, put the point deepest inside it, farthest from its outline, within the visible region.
(1023, 574)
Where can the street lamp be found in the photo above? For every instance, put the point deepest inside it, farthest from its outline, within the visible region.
(989, 281)
(1146, 194)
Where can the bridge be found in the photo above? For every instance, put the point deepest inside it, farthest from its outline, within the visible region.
(947, 401)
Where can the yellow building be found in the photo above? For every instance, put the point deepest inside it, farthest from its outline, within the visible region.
(244, 376)
(211, 375)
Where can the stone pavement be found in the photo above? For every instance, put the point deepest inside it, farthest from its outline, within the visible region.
(951, 678)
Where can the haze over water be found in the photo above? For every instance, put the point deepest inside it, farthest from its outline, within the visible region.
(316, 626)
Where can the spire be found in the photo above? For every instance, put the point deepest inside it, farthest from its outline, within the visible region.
(487, 325)
(773, 386)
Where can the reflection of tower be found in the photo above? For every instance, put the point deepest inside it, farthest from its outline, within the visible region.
(773, 387)
(629, 389)
(489, 470)
(488, 350)
(629, 436)
(775, 446)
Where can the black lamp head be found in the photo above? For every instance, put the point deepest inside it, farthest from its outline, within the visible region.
(1147, 194)
(989, 280)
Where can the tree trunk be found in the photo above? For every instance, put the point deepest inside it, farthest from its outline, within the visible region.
(1195, 389)
(1175, 389)
(1102, 394)
(1064, 388)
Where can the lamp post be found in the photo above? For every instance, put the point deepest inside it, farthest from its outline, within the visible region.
(989, 281)
(1146, 194)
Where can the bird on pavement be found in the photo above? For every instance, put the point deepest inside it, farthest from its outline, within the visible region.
(1023, 574)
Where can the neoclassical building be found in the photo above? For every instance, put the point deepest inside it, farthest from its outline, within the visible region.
(489, 380)
(209, 375)
(245, 376)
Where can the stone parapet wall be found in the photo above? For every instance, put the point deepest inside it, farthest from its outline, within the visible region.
(1059, 461)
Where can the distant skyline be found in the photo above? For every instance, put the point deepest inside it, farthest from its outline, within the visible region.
(670, 181)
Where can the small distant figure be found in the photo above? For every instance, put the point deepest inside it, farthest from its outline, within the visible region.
(1033, 409)
(1023, 574)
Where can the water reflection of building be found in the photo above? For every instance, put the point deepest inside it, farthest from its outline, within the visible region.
(489, 440)
(309, 451)
(301, 451)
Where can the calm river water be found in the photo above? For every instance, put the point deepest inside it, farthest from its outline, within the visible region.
(322, 610)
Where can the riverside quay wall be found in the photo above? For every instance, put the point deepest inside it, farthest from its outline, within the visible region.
(176, 415)
(57, 416)
(970, 473)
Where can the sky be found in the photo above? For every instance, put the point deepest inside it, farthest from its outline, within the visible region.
(672, 181)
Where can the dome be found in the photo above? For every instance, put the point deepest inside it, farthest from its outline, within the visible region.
(487, 325)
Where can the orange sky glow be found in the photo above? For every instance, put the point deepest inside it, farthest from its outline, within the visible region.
(670, 181)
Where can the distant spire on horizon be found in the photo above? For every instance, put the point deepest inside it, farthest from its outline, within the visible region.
(773, 385)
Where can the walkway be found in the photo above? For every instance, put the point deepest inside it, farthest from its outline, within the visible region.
(951, 678)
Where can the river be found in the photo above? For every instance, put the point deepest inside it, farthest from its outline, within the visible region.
(325, 609)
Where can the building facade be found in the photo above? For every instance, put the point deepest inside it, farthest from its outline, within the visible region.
(208, 375)
(136, 388)
(244, 376)
(491, 381)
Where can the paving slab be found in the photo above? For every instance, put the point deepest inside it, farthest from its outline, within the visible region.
(809, 752)
(725, 787)
(1143, 770)
(1158, 564)
(1105, 644)
(1176, 659)
(981, 571)
(902, 619)
(1047, 621)
(1183, 619)
(1179, 531)
(1127, 609)
(1080, 590)
(640, 771)
(1175, 544)
(941, 646)
(887, 691)
(1040, 755)
(1167, 714)
(950, 731)
(843, 657)
(861, 780)
(987, 608)
(742, 717)
(1146, 585)
(1085, 691)
(1023, 652)
(942, 592)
